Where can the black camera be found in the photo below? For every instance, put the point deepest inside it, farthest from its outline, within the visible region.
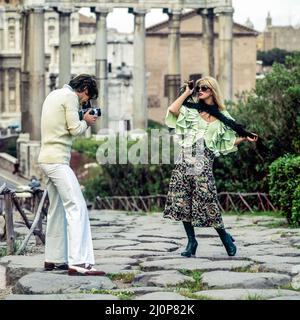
(92, 110)
(191, 85)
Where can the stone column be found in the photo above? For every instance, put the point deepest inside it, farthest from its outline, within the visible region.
(64, 46)
(225, 50)
(1, 29)
(140, 108)
(17, 32)
(33, 71)
(208, 38)
(6, 91)
(101, 68)
(18, 95)
(174, 67)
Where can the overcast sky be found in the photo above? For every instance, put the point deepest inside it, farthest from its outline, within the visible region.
(283, 12)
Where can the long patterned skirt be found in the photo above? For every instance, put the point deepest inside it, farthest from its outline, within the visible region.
(192, 195)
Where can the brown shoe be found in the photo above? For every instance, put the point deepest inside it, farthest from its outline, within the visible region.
(82, 270)
(49, 266)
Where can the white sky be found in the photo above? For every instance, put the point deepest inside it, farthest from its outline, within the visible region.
(283, 12)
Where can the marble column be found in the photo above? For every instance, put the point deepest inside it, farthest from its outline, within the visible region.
(6, 91)
(208, 38)
(225, 17)
(2, 28)
(17, 34)
(1, 92)
(33, 71)
(140, 108)
(174, 67)
(101, 68)
(18, 85)
(64, 46)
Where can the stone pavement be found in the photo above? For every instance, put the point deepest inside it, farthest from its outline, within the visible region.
(141, 255)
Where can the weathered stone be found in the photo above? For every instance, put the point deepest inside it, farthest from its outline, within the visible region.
(161, 278)
(2, 227)
(19, 266)
(246, 294)
(284, 268)
(275, 259)
(113, 243)
(63, 296)
(157, 246)
(2, 277)
(227, 279)
(162, 296)
(286, 298)
(296, 282)
(193, 264)
(50, 283)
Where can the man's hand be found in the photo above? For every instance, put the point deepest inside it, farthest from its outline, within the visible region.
(90, 119)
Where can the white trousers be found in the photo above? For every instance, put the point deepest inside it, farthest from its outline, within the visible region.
(68, 232)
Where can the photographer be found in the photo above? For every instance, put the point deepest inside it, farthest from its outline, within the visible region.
(68, 234)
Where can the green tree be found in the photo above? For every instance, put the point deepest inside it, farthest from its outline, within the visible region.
(275, 55)
(272, 110)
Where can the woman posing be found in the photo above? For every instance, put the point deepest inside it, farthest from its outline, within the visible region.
(207, 130)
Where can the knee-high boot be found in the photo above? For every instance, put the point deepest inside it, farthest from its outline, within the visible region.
(227, 241)
(192, 245)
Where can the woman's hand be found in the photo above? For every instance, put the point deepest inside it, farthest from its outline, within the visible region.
(188, 90)
(252, 139)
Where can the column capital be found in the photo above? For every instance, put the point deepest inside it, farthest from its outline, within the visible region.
(100, 10)
(63, 10)
(36, 9)
(207, 12)
(138, 11)
(224, 11)
(172, 12)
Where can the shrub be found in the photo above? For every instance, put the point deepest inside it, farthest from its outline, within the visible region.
(296, 207)
(284, 181)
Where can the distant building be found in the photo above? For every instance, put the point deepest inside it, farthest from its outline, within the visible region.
(120, 62)
(193, 57)
(83, 35)
(282, 37)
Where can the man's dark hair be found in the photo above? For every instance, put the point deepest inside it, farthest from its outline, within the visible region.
(85, 82)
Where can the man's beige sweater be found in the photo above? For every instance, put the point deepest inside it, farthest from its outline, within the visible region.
(59, 124)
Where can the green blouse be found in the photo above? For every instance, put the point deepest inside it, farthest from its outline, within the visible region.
(217, 136)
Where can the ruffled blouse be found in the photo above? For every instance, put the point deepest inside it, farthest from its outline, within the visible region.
(191, 126)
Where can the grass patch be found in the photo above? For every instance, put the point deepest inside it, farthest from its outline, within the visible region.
(288, 286)
(3, 252)
(122, 295)
(277, 224)
(17, 245)
(273, 214)
(136, 213)
(126, 277)
(190, 285)
(192, 295)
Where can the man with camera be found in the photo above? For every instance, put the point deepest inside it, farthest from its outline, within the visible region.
(68, 234)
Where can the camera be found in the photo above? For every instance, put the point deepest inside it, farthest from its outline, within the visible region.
(92, 110)
(191, 85)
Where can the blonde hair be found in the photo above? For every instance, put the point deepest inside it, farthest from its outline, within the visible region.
(215, 88)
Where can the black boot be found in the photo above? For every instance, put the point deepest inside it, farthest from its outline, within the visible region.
(192, 245)
(227, 240)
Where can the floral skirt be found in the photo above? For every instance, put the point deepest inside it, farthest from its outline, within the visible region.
(192, 195)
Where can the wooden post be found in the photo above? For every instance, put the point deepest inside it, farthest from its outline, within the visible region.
(40, 221)
(9, 223)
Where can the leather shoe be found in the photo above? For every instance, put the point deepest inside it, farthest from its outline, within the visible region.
(49, 266)
(84, 270)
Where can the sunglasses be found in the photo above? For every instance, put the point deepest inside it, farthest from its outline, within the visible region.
(202, 88)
